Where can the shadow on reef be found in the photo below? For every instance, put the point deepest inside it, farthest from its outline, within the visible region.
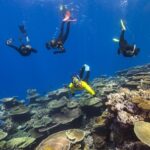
(117, 118)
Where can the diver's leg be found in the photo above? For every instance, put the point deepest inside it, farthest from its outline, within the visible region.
(122, 36)
(81, 72)
(24, 32)
(122, 41)
(67, 32)
(87, 76)
(61, 32)
(22, 29)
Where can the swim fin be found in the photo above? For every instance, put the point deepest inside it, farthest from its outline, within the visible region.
(67, 17)
(122, 25)
(115, 40)
(27, 39)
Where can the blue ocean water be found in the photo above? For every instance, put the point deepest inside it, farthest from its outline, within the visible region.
(90, 41)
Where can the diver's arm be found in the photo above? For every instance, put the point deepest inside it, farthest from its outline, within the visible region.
(14, 47)
(34, 50)
(10, 44)
(59, 51)
(61, 47)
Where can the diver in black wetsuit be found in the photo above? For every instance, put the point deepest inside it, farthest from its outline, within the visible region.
(85, 70)
(23, 49)
(124, 48)
(58, 43)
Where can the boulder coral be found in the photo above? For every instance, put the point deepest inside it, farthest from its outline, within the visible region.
(62, 140)
(57, 141)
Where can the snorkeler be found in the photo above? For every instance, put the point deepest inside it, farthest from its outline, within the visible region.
(23, 49)
(58, 43)
(124, 48)
(79, 83)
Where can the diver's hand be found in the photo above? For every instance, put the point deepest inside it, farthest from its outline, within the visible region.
(9, 41)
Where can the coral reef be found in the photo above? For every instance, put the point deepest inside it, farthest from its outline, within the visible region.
(72, 104)
(117, 118)
(57, 141)
(66, 140)
(20, 143)
(56, 104)
(124, 104)
(75, 135)
(32, 95)
(2, 135)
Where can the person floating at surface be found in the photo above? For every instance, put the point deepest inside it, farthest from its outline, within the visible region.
(79, 83)
(126, 49)
(23, 49)
(58, 43)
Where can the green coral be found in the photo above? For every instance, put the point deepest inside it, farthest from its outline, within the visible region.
(42, 122)
(2, 134)
(56, 104)
(72, 104)
(90, 102)
(18, 110)
(2, 144)
(20, 142)
(101, 120)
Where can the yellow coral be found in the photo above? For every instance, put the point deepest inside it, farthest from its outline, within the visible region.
(137, 100)
(141, 103)
(142, 131)
(48, 148)
(86, 147)
(144, 105)
(101, 120)
(61, 140)
(75, 135)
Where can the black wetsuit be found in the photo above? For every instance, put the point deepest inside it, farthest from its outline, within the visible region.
(23, 49)
(87, 75)
(126, 49)
(59, 42)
